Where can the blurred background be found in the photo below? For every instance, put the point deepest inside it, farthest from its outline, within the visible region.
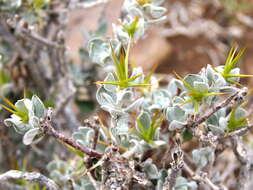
(196, 33)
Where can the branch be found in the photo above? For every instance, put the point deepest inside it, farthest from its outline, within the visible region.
(30, 176)
(41, 40)
(200, 178)
(236, 132)
(176, 164)
(28, 34)
(48, 129)
(223, 104)
(242, 156)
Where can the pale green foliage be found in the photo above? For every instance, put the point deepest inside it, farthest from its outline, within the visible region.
(138, 107)
(25, 118)
(203, 156)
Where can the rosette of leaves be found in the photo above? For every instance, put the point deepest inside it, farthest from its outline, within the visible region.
(131, 28)
(25, 117)
(121, 76)
(220, 123)
(203, 156)
(237, 119)
(229, 71)
(196, 89)
(148, 127)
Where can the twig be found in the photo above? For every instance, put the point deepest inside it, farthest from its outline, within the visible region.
(85, 5)
(46, 127)
(34, 36)
(176, 164)
(95, 127)
(242, 156)
(28, 34)
(200, 178)
(93, 181)
(236, 132)
(213, 110)
(29, 176)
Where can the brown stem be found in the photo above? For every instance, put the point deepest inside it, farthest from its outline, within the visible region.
(48, 129)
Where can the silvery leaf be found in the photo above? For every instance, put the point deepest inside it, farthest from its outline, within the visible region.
(124, 95)
(150, 169)
(38, 107)
(173, 87)
(210, 73)
(235, 71)
(18, 125)
(134, 11)
(159, 143)
(179, 83)
(191, 78)
(136, 104)
(200, 86)
(34, 121)
(154, 11)
(24, 104)
(101, 98)
(202, 156)
(110, 87)
(175, 113)
(99, 50)
(30, 135)
(178, 100)
(84, 135)
(161, 179)
(145, 119)
(108, 99)
(157, 2)
(154, 21)
(183, 184)
(113, 110)
(216, 130)
(240, 113)
(228, 89)
(136, 148)
(223, 122)
(120, 33)
(176, 125)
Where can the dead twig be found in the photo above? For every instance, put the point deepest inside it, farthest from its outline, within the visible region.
(200, 178)
(29, 176)
(47, 129)
(241, 154)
